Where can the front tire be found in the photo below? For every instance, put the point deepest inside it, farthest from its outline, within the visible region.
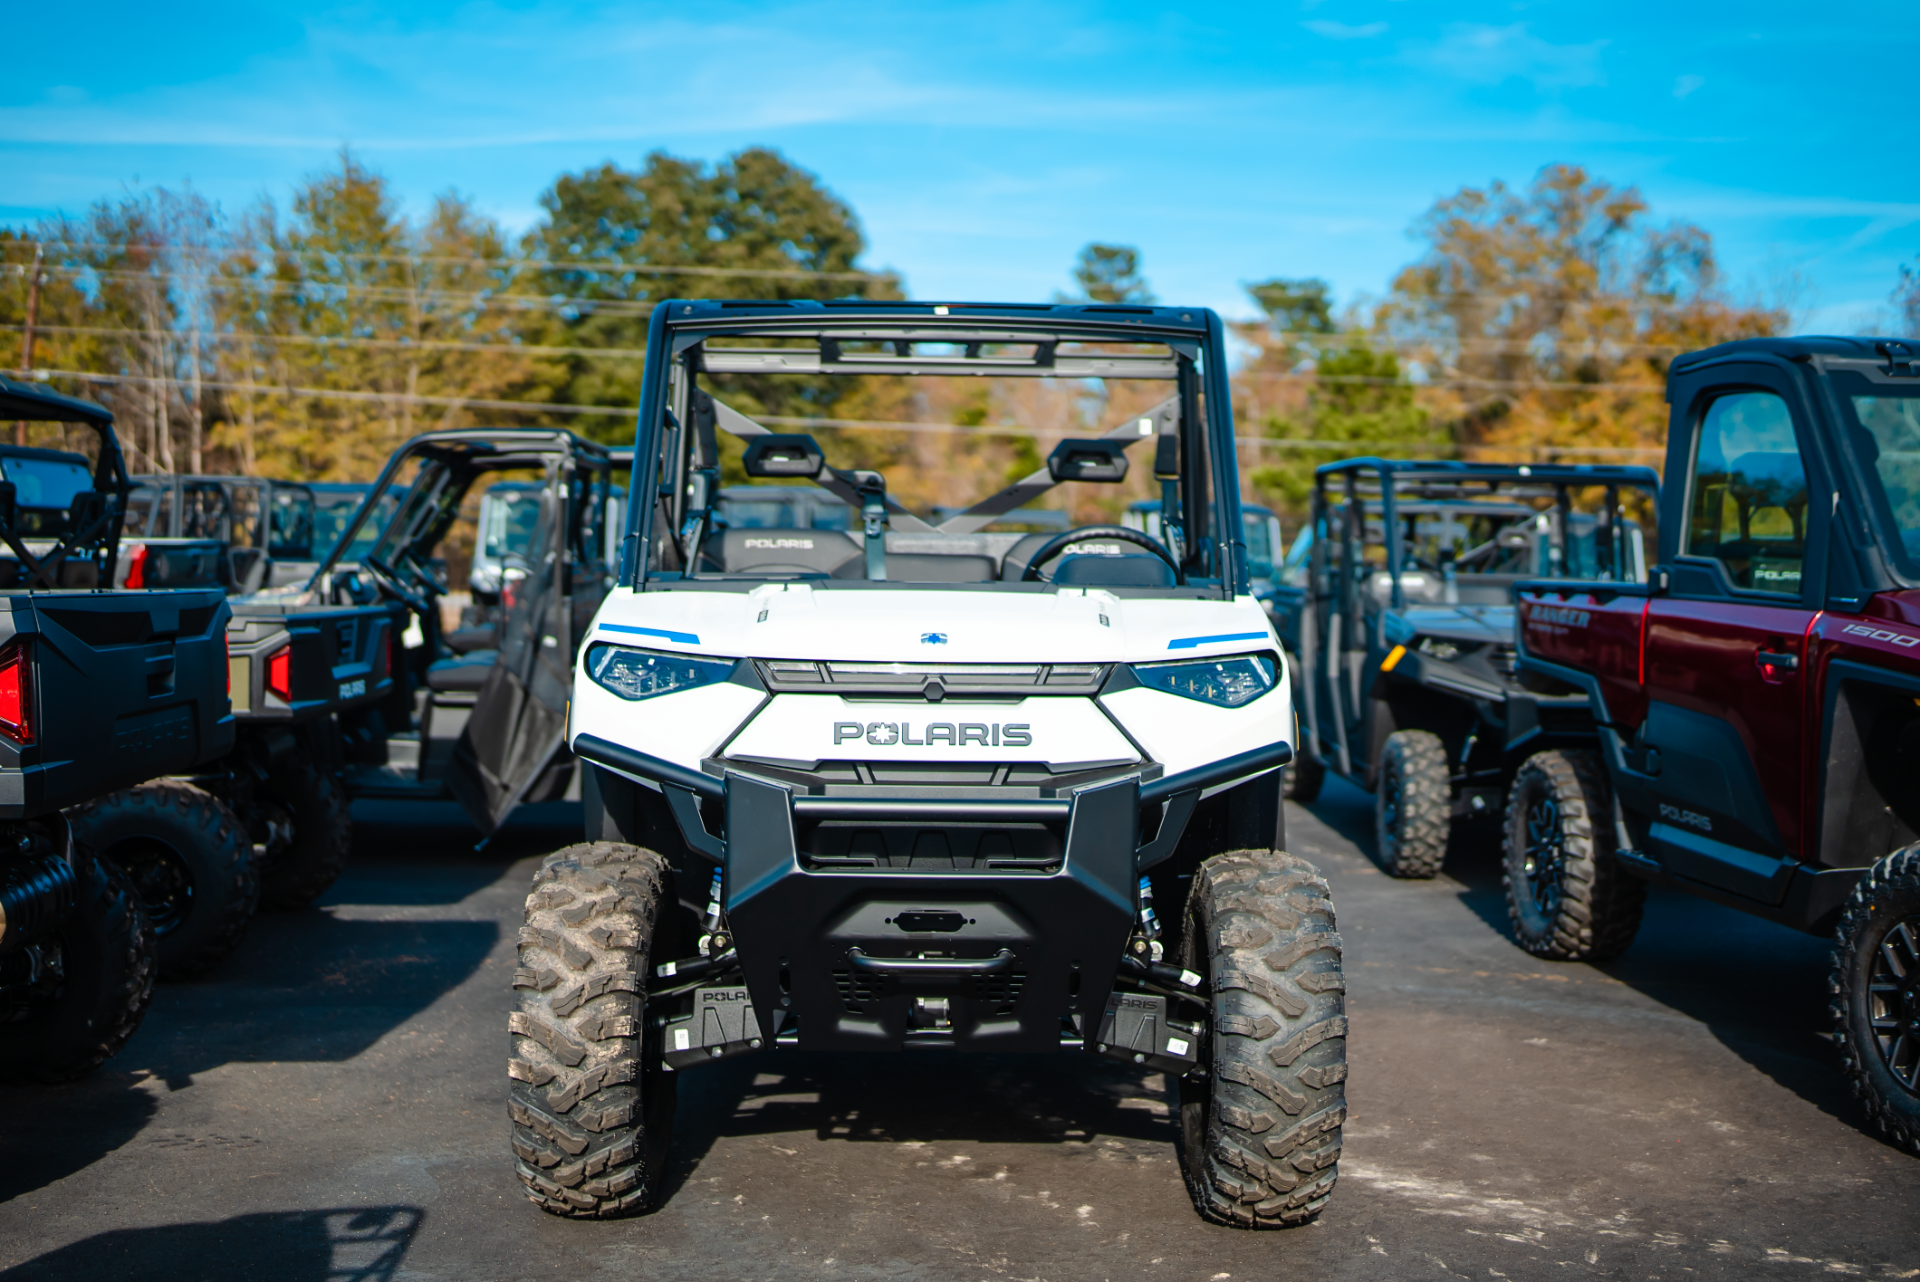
(1568, 897)
(1412, 804)
(75, 998)
(190, 862)
(1259, 1121)
(591, 1115)
(1876, 994)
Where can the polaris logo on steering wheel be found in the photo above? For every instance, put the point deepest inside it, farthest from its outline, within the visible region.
(886, 734)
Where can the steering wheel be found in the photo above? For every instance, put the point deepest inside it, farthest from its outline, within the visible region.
(387, 581)
(1088, 534)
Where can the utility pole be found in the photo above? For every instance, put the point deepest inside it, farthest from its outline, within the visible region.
(193, 446)
(26, 339)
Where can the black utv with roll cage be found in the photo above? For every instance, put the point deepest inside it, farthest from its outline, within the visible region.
(1404, 639)
(295, 665)
(475, 714)
(99, 691)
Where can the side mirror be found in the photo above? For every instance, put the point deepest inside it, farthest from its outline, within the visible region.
(784, 455)
(1101, 461)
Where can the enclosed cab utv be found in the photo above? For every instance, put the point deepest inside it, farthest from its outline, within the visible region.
(1758, 701)
(475, 713)
(921, 784)
(257, 531)
(1404, 636)
(99, 690)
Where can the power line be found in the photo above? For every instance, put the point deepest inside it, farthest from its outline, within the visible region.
(530, 263)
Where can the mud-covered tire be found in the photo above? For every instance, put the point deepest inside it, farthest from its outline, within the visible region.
(1567, 895)
(1412, 804)
(105, 966)
(1302, 779)
(190, 862)
(591, 1118)
(1876, 1015)
(322, 834)
(1259, 1121)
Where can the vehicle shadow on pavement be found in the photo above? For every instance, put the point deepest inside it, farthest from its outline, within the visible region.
(363, 1244)
(41, 1142)
(308, 988)
(984, 1099)
(1761, 989)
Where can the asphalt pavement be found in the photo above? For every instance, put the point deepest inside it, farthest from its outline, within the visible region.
(332, 1105)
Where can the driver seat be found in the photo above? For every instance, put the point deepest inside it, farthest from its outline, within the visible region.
(464, 673)
(1099, 570)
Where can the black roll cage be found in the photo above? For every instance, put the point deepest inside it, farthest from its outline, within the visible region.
(1390, 482)
(23, 401)
(1209, 493)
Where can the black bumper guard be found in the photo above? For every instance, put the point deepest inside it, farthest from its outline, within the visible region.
(835, 955)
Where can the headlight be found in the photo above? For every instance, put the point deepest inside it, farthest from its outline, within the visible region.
(1228, 683)
(642, 674)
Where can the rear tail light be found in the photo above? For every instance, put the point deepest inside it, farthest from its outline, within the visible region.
(280, 675)
(16, 693)
(137, 566)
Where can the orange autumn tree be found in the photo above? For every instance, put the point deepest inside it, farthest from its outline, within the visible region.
(1546, 319)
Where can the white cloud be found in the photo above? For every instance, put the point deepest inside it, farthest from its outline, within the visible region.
(1687, 84)
(1342, 31)
(1490, 55)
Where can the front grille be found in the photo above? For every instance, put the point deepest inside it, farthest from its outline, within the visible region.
(851, 844)
(1000, 991)
(930, 680)
(931, 779)
(859, 990)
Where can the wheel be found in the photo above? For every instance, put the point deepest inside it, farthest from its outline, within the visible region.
(1567, 895)
(190, 862)
(1259, 1133)
(310, 803)
(1876, 994)
(1411, 804)
(1302, 779)
(591, 1118)
(70, 1002)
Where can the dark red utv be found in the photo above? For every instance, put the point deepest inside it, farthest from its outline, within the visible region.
(1758, 699)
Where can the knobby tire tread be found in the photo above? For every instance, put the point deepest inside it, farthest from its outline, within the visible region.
(1889, 892)
(1413, 763)
(322, 835)
(1600, 901)
(590, 1121)
(107, 990)
(227, 880)
(1260, 1137)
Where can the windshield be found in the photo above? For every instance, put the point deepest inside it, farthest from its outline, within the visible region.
(510, 516)
(46, 482)
(333, 507)
(929, 452)
(1886, 431)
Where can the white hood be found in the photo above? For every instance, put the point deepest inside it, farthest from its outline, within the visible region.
(794, 621)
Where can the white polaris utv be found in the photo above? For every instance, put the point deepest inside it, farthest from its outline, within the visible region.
(921, 784)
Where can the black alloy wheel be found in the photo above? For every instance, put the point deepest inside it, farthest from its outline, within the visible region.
(161, 879)
(1545, 862)
(1893, 1007)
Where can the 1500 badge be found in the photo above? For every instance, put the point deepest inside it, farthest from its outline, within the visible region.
(883, 734)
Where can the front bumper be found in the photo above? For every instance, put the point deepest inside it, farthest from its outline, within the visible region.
(977, 953)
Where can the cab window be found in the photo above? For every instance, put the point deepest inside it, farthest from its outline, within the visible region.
(1747, 501)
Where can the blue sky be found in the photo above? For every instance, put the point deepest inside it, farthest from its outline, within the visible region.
(983, 144)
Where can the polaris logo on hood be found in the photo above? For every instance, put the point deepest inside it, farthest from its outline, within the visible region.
(885, 734)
